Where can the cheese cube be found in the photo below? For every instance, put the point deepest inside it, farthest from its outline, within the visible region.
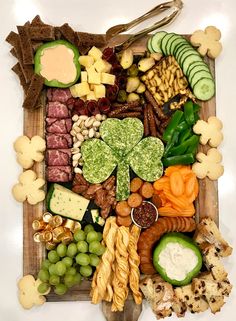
(102, 66)
(91, 86)
(108, 79)
(93, 76)
(91, 95)
(84, 76)
(95, 53)
(80, 90)
(86, 61)
(99, 91)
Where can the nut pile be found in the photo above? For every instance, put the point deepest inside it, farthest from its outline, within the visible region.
(166, 80)
(83, 128)
(102, 194)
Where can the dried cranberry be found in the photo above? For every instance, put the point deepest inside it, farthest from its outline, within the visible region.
(79, 108)
(109, 55)
(92, 106)
(111, 92)
(70, 103)
(121, 82)
(104, 105)
(116, 69)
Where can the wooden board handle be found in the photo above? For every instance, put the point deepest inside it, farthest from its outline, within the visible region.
(131, 311)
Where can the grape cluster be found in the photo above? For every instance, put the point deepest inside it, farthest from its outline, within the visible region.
(66, 265)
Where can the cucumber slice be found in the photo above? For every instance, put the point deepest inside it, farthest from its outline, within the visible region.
(149, 45)
(189, 59)
(181, 51)
(196, 64)
(168, 44)
(196, 69)
(199, 75)
(180, 47)
(204, 89)
(156, 41)
(164, 41)
(185, 55)
(176, 41)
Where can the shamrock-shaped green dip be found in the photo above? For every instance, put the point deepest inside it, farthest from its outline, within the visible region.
(122, 147)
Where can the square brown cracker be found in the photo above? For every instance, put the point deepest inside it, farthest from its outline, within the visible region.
(13, 52)
(57, 33)
(33, 92)
(69, 34)
(42, 33)
(36, 44)
(89, 40)
(37, 21)
(25, 43)
(17, 70)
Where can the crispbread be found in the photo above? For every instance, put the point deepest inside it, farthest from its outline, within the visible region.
(42, 33)
(17, 70)
(25, 43)
(68, 33)
(33, 92)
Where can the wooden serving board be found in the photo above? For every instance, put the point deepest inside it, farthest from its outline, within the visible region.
(33, 253)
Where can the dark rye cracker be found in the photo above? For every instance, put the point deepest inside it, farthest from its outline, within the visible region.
(90, 39)
(25, 43)
(17, 70)
(33, 92)
(69, 34)
(37, 21)
(13, 52)
(41, 33)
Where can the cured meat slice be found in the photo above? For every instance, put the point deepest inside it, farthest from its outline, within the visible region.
(56, 94)
(58, 126)
(55, 109)
(55, 141)
(59, 174)
(58, 157)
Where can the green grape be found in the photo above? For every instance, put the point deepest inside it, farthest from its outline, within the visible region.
(88, 228)
(71, 271)
(82, 259)
(60, 289)
(71, 250)
(92, 236)
(61, 250)
(94, 259)
(68, 261)
(43, 287)
(82, 246)
(54, 279)
(77, 278)
(96, 247)
(53, 256)
(79, 235)
(43, 275)
(52, 269)
(60, 268)
(69, 280)
(45, 264)
(86, 270)
(99, 236)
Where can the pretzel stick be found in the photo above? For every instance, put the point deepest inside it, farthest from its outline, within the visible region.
(154, 104)
(145, 121)
(151, 120)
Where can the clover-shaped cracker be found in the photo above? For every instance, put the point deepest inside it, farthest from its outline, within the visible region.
(29, 188)
(28, 292)
(207, 41)
(210, 131)
(29, 150)
(208, 164)
(122, 147)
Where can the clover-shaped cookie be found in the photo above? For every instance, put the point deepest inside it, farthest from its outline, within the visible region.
(29, 150)
(207, 41)
(210, 131)
(122, 146)
(208, 165)
(28, 292)
(29, 188)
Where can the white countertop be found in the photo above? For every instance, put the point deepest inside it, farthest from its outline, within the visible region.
(97, 16)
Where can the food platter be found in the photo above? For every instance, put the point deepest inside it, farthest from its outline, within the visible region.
(176, 194)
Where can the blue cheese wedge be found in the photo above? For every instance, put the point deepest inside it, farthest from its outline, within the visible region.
(64, 202)
(96, 218)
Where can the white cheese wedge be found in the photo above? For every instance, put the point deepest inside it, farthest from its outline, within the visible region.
(64, 202)
(96, 218)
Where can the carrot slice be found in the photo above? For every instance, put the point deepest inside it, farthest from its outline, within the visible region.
(176, 183)
(160, 183)
(167, 211)
(184, 171)
(190, 183)
(181, 201)
(172, 169)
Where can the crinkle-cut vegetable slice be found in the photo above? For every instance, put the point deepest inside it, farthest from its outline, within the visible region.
(99, 159)
(122, 135)
(122, 181)
(145, 159)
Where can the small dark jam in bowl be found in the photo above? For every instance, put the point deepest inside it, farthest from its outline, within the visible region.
(144, 215)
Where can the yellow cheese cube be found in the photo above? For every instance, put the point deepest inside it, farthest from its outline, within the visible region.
(94, 77)
(91, 95)
(91, 86)
(84, 76)
(95, 53)
(108, 79)
(99, 91)
(102, 66)
(80, 90)
(86, 61)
